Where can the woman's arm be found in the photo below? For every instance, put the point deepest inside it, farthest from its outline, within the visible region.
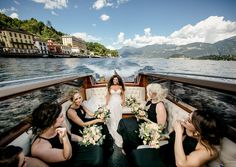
(91, 114)
(76, 119)
(67, 149)
(123, 98)
(161, 114)
(30, 161)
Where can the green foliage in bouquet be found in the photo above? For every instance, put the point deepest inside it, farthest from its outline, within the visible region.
(102, 113)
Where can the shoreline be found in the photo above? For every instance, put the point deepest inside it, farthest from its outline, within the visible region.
(9, 55)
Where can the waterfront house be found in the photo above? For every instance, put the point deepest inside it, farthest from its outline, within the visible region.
(41, 45)
(77, 44)
(54, 48)
(17, 42)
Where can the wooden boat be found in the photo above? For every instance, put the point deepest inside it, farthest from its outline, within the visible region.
(183, 92)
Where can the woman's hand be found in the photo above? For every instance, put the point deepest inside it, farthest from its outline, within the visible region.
(179, 129)
(62, 132)
(100, 120)
(123, 103)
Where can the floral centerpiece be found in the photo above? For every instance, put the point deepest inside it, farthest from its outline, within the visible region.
(102, 113)
(150, 133)
(92, 135)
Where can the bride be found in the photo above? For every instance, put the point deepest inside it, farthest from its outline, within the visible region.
(115, 99)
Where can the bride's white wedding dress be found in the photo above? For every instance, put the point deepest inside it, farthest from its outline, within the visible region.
(115, 107)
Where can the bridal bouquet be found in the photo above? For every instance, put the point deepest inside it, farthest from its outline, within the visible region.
(102, 113)
(138, 111)
(130, 101)
(92, 135)
(150, 133)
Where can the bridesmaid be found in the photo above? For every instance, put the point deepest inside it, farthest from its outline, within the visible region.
(53, 143)
(191, 144)
(76, 114)
(129, 127)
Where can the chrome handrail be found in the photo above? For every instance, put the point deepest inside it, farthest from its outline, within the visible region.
(12, 90)
(218, 85)
(32, 79)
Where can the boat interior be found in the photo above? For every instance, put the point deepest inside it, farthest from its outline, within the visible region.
(183, 92)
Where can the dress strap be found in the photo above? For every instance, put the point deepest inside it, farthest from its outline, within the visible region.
(43, 138)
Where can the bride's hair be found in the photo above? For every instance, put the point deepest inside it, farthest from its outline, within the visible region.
(120, 82)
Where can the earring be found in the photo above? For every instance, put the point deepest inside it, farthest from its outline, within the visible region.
(196, 134)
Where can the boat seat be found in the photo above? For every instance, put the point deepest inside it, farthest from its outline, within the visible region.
(24, 141)
(64, 107)
(97, 97)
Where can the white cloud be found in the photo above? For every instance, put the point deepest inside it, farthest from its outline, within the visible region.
(54, 13)
(110, 47)
(94, 25)
(210, 30)
(99, 4)
(86, 36)
(121, 37)
(16, 2)
(147, 31)
(53, 4)
(104, 17)
(14, 16)
(6, 10)
(122, 1)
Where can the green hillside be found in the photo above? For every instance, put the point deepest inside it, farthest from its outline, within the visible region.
(46, 31)
(33, 26)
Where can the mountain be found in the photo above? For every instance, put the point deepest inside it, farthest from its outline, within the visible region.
(192, 50)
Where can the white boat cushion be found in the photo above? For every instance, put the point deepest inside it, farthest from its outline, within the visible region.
(65, 106)
(97, 97)
(23, 141)
(174, 113)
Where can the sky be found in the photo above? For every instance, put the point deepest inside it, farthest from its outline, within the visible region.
(135, 23)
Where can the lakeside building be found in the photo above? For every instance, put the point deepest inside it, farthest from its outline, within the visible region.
(17, 42)
(41, 45)
(78, 46)
(66, 50)
(53, 48)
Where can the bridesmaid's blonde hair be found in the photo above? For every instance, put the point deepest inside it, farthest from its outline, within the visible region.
(161, 92)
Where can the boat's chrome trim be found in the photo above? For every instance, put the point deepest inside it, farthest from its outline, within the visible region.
(14, 90)
(216, 85)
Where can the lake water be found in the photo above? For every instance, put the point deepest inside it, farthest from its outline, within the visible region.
(12, 111)
(15, 69)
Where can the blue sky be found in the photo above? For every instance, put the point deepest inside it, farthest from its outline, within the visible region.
(137, 23)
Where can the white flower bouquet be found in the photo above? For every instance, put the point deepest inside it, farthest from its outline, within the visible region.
(150, 133)
(92, 136)
(130, 101)
(138, 111)
(102, 113)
